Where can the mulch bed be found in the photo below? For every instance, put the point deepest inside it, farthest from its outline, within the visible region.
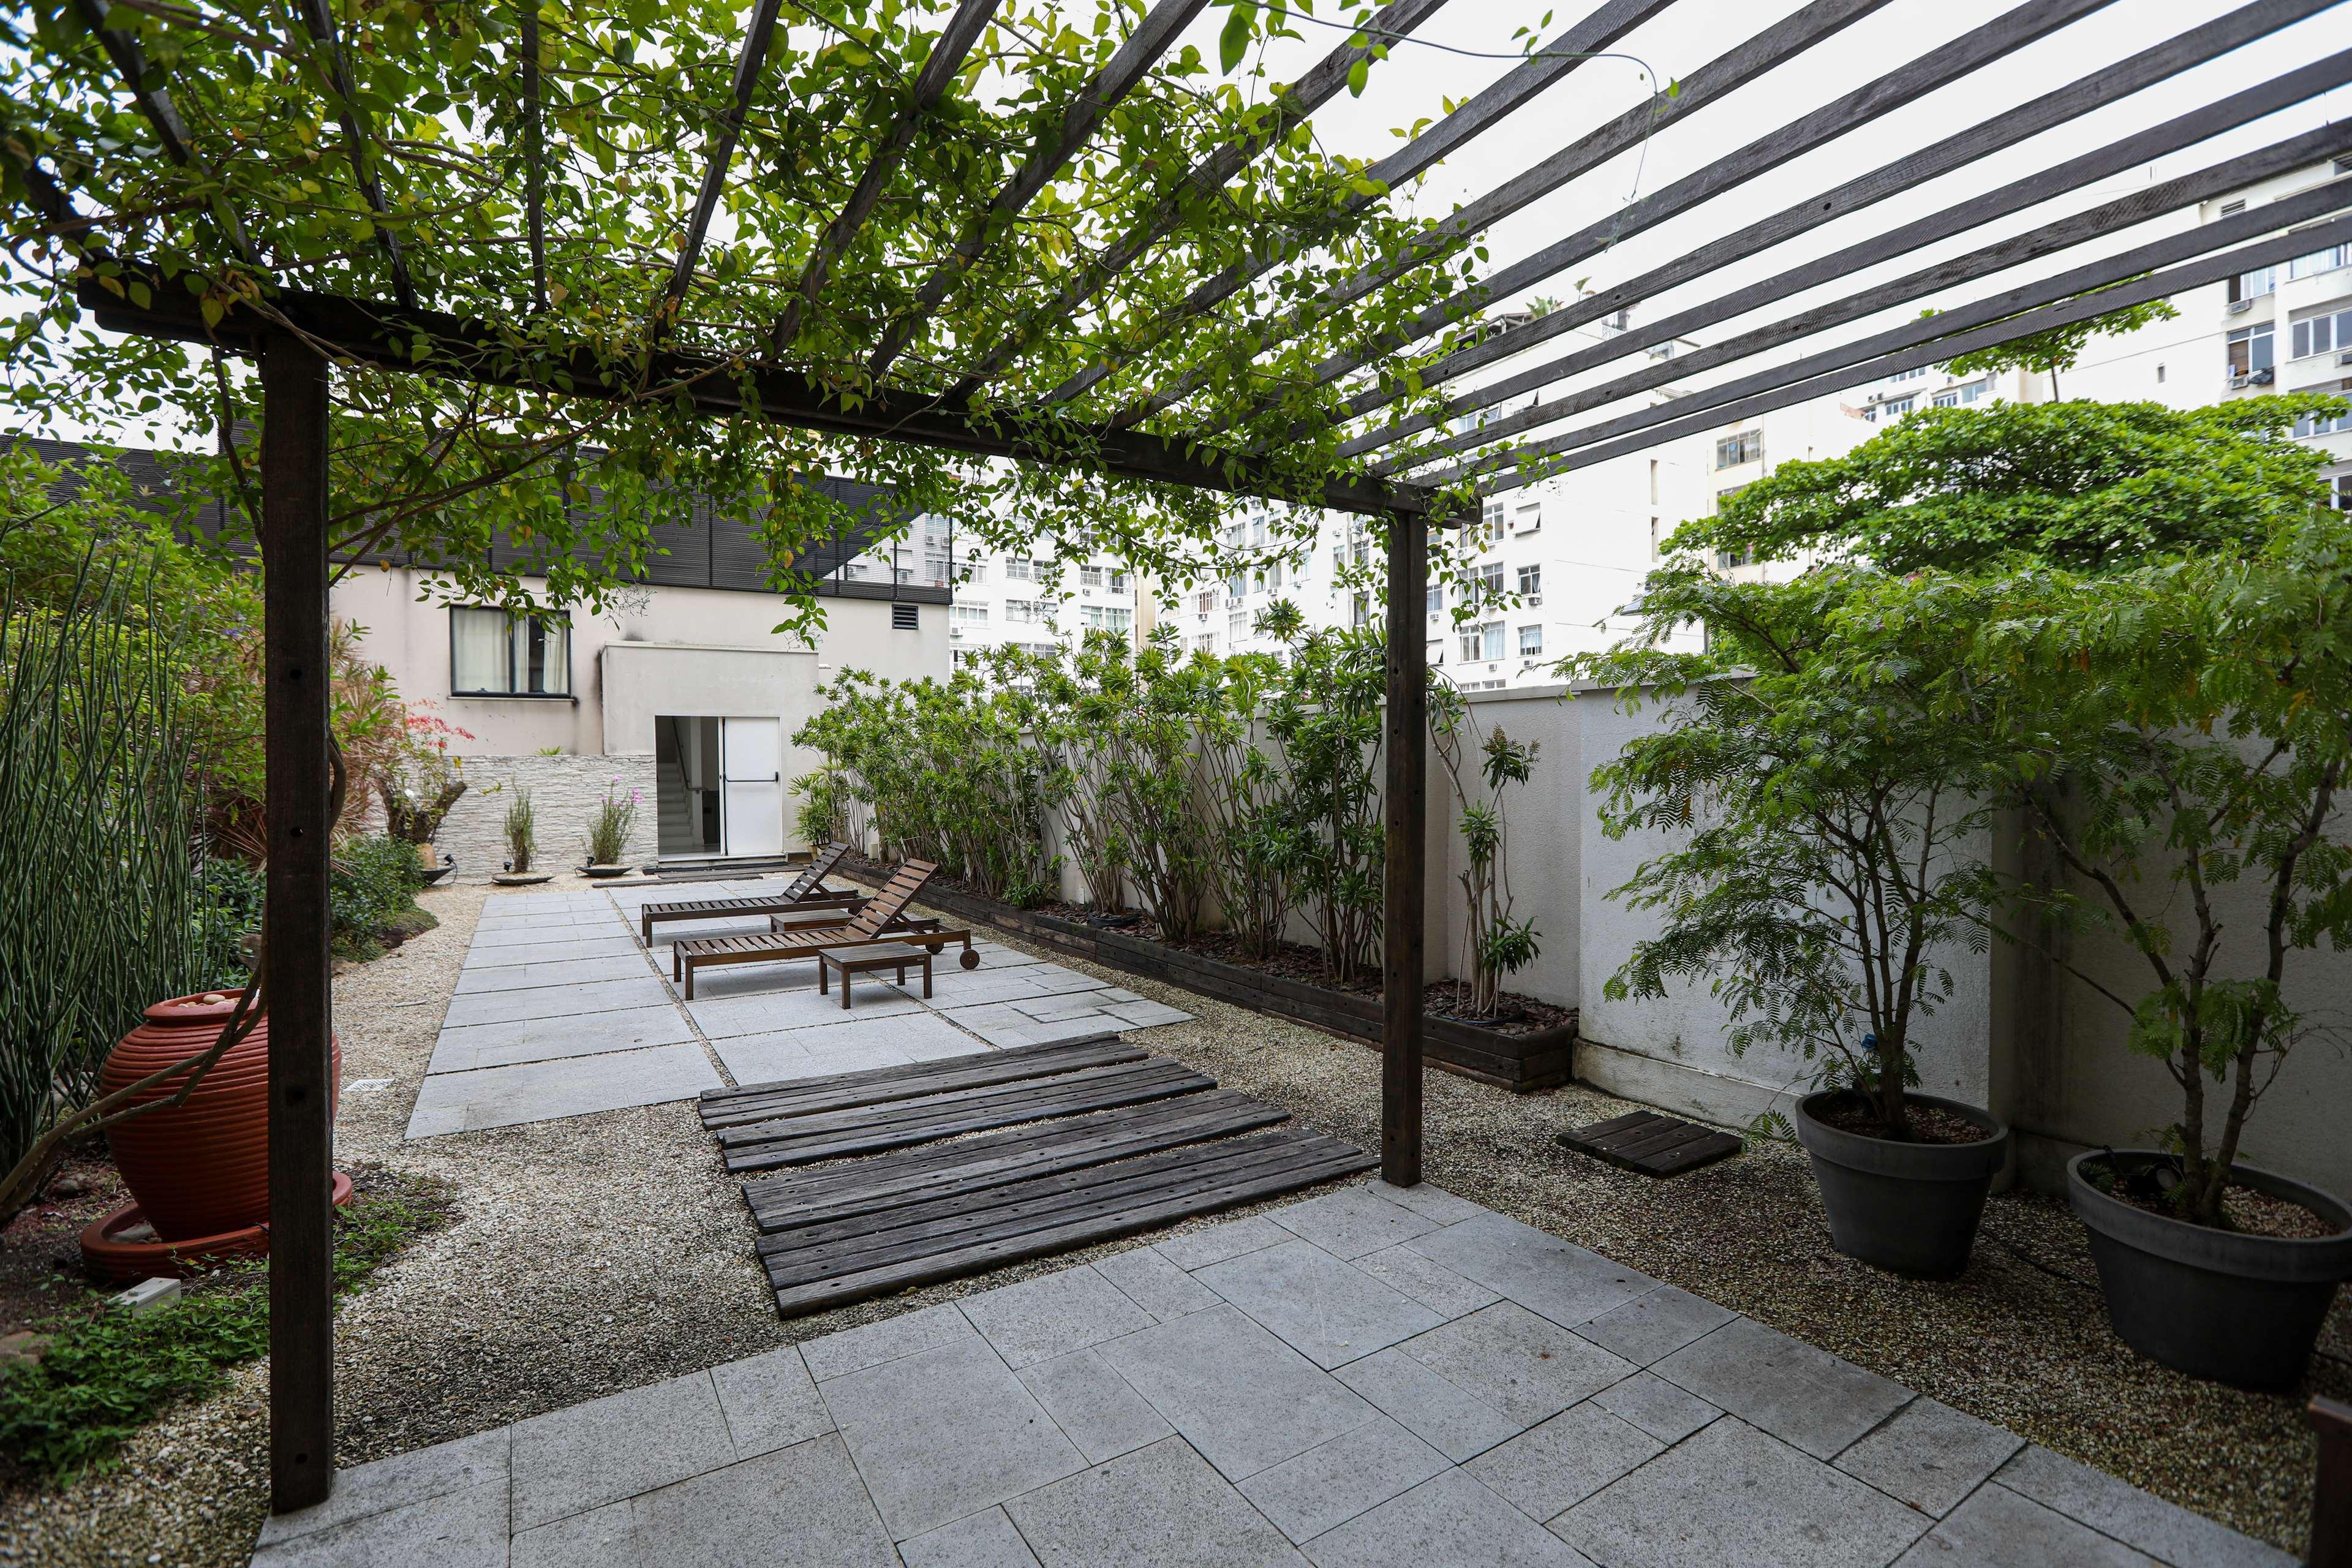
(41, 1275)
(1448, 998)
(1928, 1123)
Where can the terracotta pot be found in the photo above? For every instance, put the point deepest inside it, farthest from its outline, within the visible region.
(202, 1168)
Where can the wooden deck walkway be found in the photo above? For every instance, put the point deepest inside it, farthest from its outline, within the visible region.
(1076, 1144)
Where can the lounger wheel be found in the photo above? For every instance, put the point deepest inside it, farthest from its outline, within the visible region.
(971, 959)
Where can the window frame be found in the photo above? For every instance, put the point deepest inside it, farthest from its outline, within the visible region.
(567, 695)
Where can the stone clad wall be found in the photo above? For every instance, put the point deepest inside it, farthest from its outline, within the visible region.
(565, 792)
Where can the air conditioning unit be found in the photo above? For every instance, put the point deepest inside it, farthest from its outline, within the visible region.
(2238, 380)
(2240, 307)
(2344, 359)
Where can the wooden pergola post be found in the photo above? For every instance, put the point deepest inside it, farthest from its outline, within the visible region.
(1404, 811)
(301, 1085)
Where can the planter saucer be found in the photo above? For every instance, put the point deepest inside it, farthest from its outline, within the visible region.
(522, 878)
(605, 873)
(107, 1253)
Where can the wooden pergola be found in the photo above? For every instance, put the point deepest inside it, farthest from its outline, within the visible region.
(1401, 426)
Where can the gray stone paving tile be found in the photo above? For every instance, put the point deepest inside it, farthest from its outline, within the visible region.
(1650, 1327)
(843, 1045)
(955, 987)
(1145, 1277)
(1053, 1314)
(545, 1092)
(1321, 1307)
(2138, 1519)
(1146, 1014)
(503, 941)
(1451, 1520)
(1799, 1394)
(996, 956)
(1245, 1399)
(765, 1012)
(554, 972)
(1160, 1505)
(1003, 1025)
(1995, 1528)
(1351, 1222)
(985, 1540)
(1656, 1406)
(1733, 1494)
(497, 955)
(571, 1001)
(927, 1044)
(568, 1461)
(944, 1433)
(1333, 1482)
(1547, 1469)
(1929, 1455)
(799, 1507)
(1219, 1242)
(1096, 1409)
(1431, 1201)
(466, 1048)
(1539, 1271)
(1432, 1285)
(414, 1476)
(1445, 1417)
(1526, 1366)
(770, 1401)
(460, 1529)
(871, 1345)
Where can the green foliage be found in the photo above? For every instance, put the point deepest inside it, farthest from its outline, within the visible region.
(371, 888)
(520, 828)
(609, 830)
(1825, 821)
(1494, 944)
(106, 1376)
(102, 911)
(2087, 486)
(823, 814)
(1325, 719)
(228, 905)
(2059, 348)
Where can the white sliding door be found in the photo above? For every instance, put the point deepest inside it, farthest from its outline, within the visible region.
(752, 758)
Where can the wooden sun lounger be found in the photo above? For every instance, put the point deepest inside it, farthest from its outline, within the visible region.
(805, 936)
(806, 891)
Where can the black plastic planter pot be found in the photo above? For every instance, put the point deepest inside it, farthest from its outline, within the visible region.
(2241, 1309)
(1910, 1208)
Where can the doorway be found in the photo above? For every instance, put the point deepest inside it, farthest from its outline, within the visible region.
(718, 785)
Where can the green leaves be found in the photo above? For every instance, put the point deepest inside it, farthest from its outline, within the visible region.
(1234, 42)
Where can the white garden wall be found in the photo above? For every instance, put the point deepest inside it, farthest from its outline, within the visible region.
(565, 792)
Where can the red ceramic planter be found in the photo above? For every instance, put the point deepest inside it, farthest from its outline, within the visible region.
(202, 1168)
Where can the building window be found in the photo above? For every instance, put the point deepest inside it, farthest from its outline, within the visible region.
(1483, 642)
(1120, 582)
(1896, 407)
(1237, 627)
(1118, 619)
(1947, 399)
(2318, 261)
(1901, 375)
(1361, 612)
(1207, 602)
(1434, 653)
(1491, 516)
(1532, 584)
(1205, 643)
(1091, 576)
(975, 569)
(1024, 612)
(2324, 334)
(1728, 558)
(1436, 600)
(1273, 577)
(2344, 492)
(2253, 285)
(2323, 425)
(1488, 584)
(1018, 570)
(968, 615)
(2250, 350)
(493, 654)
(1745, 448)
(1976, 390)
(1530, 640)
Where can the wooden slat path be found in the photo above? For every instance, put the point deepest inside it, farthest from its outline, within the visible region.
(879, 1086)
(925, 1242)
(870, 1188)
(1652, 1144)
(867, 1130)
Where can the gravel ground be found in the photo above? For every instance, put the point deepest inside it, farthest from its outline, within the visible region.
(601, 1253)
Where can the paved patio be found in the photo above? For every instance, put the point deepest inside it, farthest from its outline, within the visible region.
(559, 1012)
(1368, 1377)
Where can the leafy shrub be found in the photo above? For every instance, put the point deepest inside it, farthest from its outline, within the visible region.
(609, 830)
(372, 889)
(228, 905)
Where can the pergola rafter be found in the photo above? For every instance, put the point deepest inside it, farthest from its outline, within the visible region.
(612, 331)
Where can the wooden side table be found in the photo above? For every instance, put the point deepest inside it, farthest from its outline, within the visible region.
(865, 959)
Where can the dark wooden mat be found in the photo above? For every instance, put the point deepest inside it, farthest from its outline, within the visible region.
(820, 1266)
(873, 1186)
(1652, 1144)
(832, 1134)
(878, 1086)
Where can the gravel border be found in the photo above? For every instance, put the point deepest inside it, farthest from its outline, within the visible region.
(601, 1253)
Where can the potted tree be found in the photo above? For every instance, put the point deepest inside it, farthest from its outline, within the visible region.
(1823, 829)
(2194, 729)
(608, 834)
(522, 830)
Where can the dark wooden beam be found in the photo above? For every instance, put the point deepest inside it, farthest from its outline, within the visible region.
(2331, 1486)
(1289, 108)
(749, 61)
(296, 751)
(1595, 31)
(318, 21)
(1778, 43)
(953, 46)
(2003, 130)
(1055, 147)
(434, 343)
(1939, 67)
(1930, 341)
(154, 103)
(1404, 817)
(2139, 207)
